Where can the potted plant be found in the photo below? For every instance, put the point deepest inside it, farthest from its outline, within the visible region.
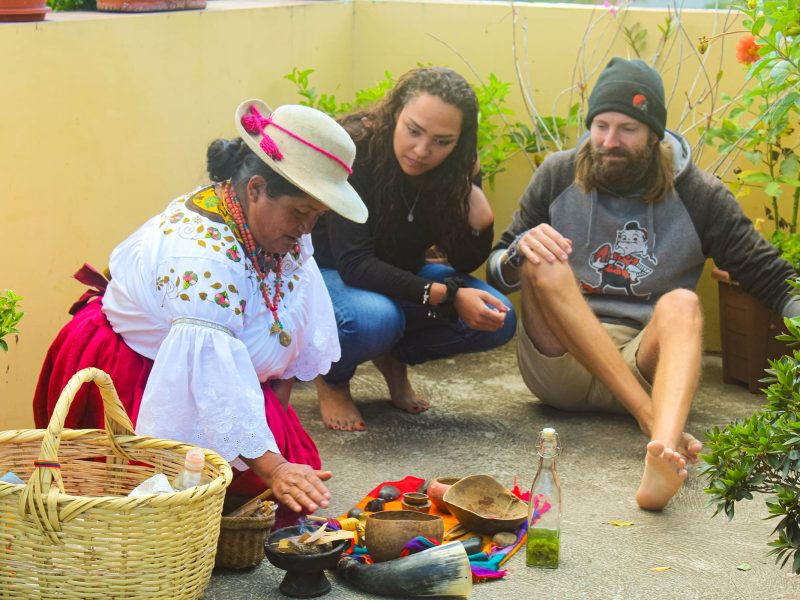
(758, 126)
(9, 316)
(23, 10)
(145, 5)
(761, 454)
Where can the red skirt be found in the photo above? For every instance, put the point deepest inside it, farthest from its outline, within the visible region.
(89, 341)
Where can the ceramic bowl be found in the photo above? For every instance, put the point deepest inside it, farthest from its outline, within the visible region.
(484, 505)
(388, 531)
(416, 501)
(436, 489)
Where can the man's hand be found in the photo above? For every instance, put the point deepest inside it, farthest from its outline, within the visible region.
(295, 485)
(544, 243)
(471, 305)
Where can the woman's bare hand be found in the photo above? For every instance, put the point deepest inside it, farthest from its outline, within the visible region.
(296, 485)
(471, 305)
(300, 487)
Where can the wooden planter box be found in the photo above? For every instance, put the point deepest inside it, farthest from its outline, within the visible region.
(748, 330)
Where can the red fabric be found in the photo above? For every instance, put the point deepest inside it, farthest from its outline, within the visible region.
(407, 484)
(89, 341)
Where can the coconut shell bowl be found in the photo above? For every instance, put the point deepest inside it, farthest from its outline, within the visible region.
(484, 505)
(305, 573)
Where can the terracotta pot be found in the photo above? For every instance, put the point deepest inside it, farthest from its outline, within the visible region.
(748, 330)
(388, 531)
(23, 10)
(148, 5)
(436, 490)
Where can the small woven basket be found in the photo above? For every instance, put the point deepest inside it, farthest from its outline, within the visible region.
(72, 532)
(241, 540)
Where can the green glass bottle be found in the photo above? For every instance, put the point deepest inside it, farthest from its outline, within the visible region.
(544, 513)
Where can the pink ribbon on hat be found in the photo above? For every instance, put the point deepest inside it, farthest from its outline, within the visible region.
(255, 122)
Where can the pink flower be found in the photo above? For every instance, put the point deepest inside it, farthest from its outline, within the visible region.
(233, 254)
(222, 299)
(747, 50)
(189, 279)
(611, 7)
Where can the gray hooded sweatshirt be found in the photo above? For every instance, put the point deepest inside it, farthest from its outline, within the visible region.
(627, 253)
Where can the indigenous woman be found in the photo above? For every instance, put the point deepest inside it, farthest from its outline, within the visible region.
(207, 318)
(394, 304)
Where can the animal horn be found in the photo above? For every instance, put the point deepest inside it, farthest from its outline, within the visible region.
(439, 571)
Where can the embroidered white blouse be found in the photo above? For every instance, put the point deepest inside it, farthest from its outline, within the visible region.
(183, 294)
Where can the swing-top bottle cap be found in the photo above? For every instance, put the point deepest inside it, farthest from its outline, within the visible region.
(195, 459)
(548, 433)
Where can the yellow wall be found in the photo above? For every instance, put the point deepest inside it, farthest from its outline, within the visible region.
(103, 118)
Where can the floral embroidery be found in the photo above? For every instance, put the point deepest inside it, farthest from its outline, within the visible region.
(233, 254)
(189, 279)
(222, 299)
(201, 219)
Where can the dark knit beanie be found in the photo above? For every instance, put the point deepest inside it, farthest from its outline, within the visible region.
(633, 88)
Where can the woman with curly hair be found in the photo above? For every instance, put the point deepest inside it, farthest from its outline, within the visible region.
(400, 282)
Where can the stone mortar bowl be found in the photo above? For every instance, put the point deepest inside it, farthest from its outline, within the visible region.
(305, 576)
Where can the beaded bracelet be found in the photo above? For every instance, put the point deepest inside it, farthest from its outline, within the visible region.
(512, 257)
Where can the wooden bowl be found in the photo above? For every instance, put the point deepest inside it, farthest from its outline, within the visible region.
(484, 505)
(388, 531)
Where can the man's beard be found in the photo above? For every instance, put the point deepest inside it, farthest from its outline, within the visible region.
(623, 175)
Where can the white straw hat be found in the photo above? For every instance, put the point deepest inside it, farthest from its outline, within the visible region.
(308, 148)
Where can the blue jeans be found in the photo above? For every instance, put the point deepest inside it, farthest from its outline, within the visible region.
(371, 324)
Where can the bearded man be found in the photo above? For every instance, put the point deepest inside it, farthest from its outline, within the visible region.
(607, 247)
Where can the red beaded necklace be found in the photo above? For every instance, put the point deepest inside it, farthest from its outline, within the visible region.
(235, 208)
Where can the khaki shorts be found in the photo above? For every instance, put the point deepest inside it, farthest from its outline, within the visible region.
(562, 382)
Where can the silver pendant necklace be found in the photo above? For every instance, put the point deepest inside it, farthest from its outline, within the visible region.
(413, 206)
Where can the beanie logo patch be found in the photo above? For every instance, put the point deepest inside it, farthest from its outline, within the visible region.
(640, 102)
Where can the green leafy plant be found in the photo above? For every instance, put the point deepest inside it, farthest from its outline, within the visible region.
(9, 316)
(761, 454)
(759, 124)
(72, 4)
(498, 140)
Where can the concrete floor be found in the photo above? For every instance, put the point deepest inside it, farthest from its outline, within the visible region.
(484, 420)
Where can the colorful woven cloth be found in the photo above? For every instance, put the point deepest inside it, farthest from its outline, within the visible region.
(485, 564)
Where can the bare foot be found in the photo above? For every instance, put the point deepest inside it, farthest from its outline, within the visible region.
(396, 375)
(337, 407)
(664, 474)
(689, 447)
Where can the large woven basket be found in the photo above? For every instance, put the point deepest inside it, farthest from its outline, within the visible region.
(71, 532)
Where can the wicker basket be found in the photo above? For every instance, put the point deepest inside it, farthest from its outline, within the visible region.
(241, 540)
(72, 532)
